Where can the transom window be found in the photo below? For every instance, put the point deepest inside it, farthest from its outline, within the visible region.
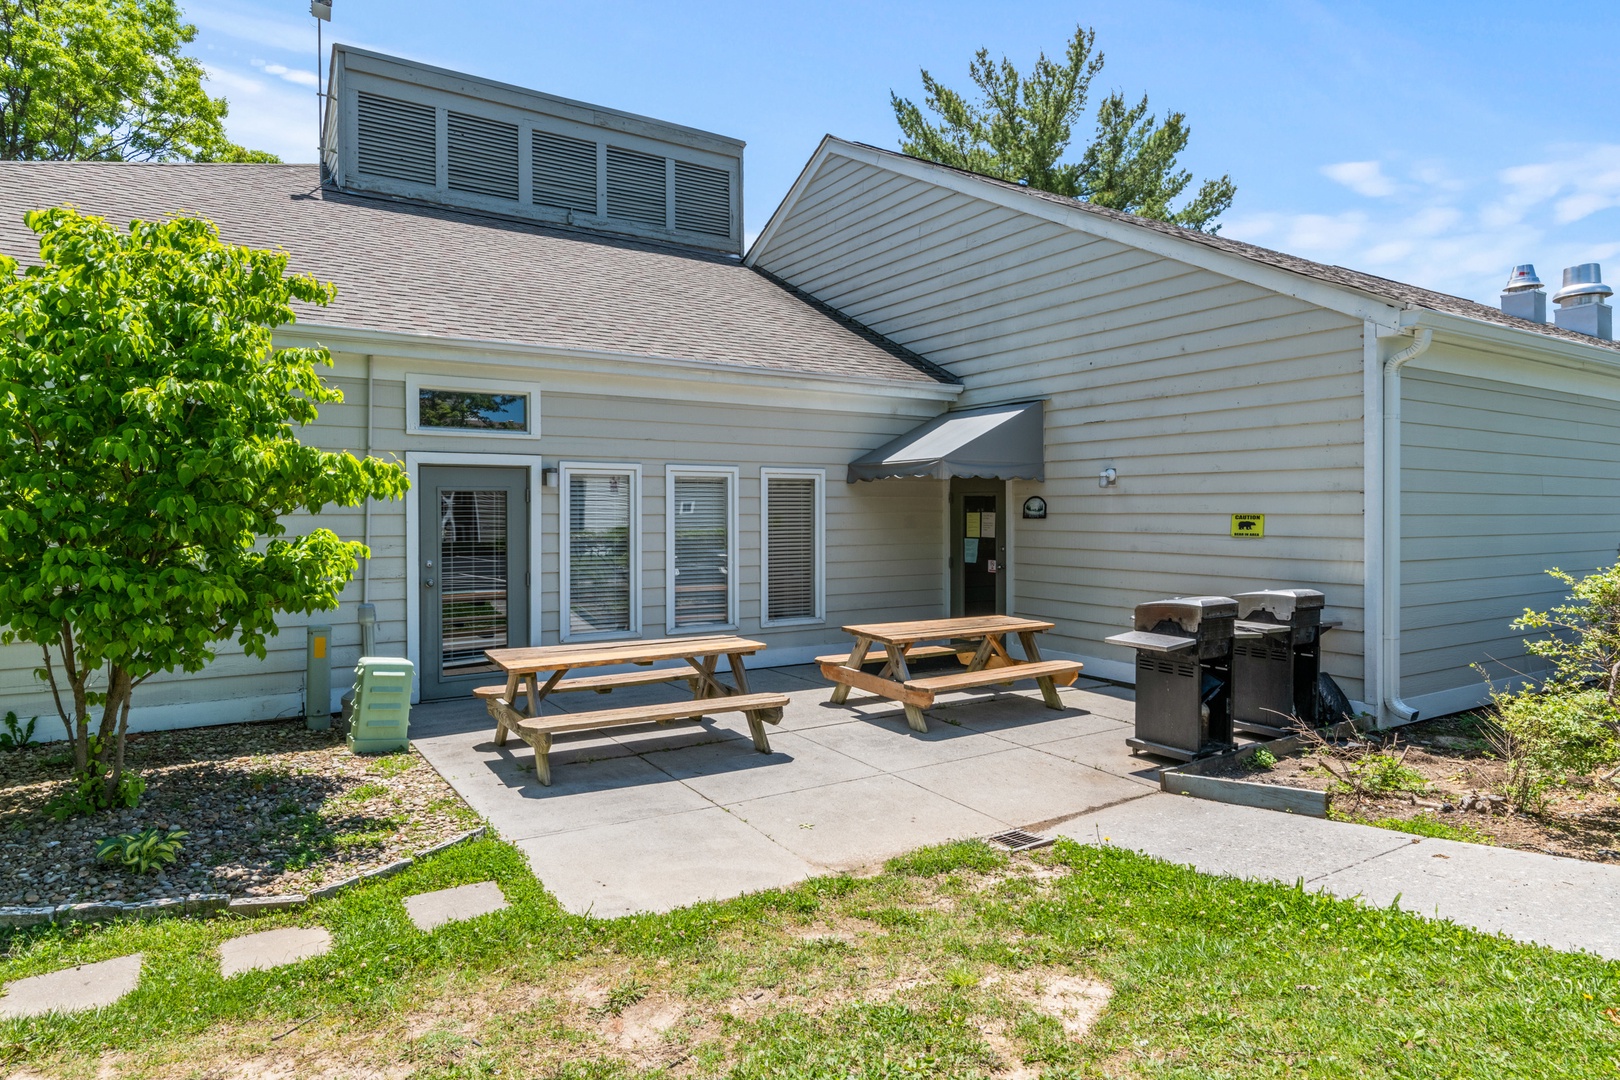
(471, 407)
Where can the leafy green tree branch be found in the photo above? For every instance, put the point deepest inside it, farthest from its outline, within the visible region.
(1021, 127)
(105, 80)
(150, 464)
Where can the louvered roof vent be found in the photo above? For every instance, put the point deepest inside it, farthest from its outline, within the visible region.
(398, 128)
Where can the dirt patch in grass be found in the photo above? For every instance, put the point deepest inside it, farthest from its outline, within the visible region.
(1453, 765)
(271, 808)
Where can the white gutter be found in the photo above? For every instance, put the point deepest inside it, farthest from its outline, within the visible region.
(1390, 614)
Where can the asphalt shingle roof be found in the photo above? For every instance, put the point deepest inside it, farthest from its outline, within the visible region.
(419, 269)
(1394, 292)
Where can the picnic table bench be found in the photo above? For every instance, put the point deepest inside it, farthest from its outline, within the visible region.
(516, 704)
(977, 640)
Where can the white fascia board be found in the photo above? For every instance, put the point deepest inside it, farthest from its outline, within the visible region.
(1524, 345)
(1342, 299)
(791, 199)
(631, 374)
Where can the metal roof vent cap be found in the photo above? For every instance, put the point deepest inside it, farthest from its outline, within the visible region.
(1522, 296)
(1581, 304)
(1522, 277)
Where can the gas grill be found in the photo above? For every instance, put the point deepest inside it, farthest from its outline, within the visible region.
(1276, 658)
(1183, 675)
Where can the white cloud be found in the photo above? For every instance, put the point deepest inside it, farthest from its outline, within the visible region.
(297, 76)
(1362, 177)
(267, 114)
(1431, 226)
(250, 25)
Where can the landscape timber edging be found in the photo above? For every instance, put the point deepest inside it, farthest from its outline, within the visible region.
(1190, 779)
(206, 903)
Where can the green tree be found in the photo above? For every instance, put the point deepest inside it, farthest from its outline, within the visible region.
(151, 461)
(1022, 125)
(104, 80)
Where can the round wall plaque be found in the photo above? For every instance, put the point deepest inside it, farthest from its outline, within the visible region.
(1035, 507)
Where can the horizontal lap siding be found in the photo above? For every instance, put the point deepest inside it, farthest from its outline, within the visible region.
(1499, 483)
(888, 560)
(1210, 396)
(884, 549)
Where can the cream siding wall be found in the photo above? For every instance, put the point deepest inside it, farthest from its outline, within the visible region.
(1209, 395)
(1500, 481)
(885, 546)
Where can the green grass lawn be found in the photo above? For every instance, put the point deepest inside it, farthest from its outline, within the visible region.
(955, 962)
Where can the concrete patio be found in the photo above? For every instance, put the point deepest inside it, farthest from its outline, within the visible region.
(653, 818)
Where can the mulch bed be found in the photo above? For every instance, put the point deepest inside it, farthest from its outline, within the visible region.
(1581, 819)
(271, 807)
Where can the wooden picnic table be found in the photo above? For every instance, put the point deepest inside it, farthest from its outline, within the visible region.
(977, 640)
(534, 673)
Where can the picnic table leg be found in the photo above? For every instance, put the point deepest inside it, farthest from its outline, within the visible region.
(756, 724)
(542, 757)
(902, 674)
(857, 657)
(1032, 653)
(513, 681)
(704, 684)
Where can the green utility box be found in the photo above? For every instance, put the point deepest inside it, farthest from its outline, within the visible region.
(382, 705)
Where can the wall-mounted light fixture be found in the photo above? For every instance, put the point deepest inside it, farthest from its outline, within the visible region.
(548, 478)
(1108, 477)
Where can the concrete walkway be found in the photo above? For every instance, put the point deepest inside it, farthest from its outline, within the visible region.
(1561, 903)
(654, 818)
(657, 818)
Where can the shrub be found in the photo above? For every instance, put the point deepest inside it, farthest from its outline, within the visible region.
(1571, 723)
(17, 734)
(145, 851)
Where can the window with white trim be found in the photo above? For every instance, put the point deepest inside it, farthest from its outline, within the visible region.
(701, 520)
(792, 552)
(601, 550)
(468, 406)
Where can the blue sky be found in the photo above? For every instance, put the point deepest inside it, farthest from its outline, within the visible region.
(1433, 142)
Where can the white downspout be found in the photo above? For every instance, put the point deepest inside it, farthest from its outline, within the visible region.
(1390, 661)
(368, 613)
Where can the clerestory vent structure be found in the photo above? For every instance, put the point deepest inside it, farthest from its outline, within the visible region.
(411, 131)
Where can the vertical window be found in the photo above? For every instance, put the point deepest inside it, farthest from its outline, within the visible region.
(702, 552)
(600, 551)
(791, 547)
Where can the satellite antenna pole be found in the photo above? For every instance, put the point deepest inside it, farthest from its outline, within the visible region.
(322, 10)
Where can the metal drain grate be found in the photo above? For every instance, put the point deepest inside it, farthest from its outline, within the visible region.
(1019, 840)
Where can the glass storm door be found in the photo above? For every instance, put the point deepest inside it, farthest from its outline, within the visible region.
(474, 577)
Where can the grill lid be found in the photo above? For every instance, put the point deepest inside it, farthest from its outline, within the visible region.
(1277, 605)
(1187, 613)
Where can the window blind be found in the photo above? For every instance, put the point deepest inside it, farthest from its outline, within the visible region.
(599, 515)
(702, 550)
(790, 574)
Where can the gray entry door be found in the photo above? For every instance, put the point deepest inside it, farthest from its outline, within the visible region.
(474, 577)
(978, 538)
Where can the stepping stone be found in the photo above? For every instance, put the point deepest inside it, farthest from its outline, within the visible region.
(272, 949)
(430, 909)
(88, 986)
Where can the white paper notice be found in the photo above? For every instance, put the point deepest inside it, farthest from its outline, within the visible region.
(987, 526)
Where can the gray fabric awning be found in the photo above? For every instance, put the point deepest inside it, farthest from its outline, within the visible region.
(1000, 442)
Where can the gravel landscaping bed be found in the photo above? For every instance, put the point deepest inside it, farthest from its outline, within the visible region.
(272, 808)
(1457, 795)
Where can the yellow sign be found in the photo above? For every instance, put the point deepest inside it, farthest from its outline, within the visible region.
(1249, 526)
(320, 648)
